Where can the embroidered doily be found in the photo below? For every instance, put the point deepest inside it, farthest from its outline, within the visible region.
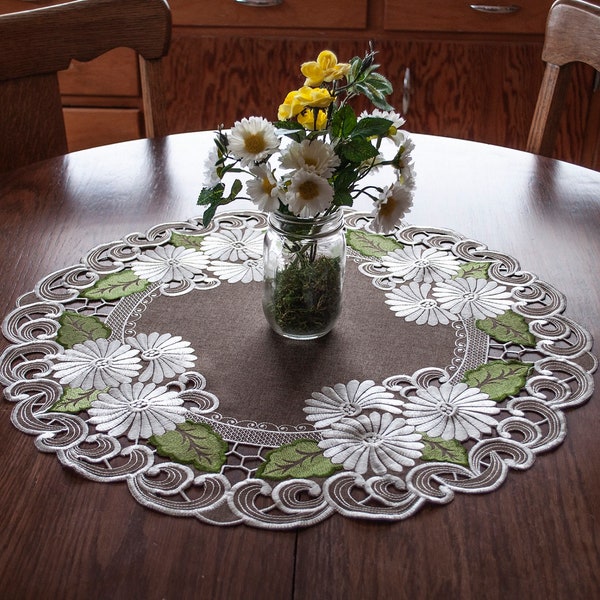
(149, 363)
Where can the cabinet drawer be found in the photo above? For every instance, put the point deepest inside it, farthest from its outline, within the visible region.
(529, 16)
(88, 127)
(112, 74)
(290, 14)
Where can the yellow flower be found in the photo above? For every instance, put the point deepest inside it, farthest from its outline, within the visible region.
(325, 68)
(308, 121)
(306, 97)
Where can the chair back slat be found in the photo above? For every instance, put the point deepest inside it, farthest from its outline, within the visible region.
(572, 36)
(36, 44)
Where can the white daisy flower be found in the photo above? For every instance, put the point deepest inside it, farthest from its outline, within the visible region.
(252, 140)
(245, 272)
(333, 404)
(377, 442)
(412, 302)
(403, 161)
(452, 412)
(311, 155)
(97, 364)
(308, 194)
(421, 264)
(471, 297)
(393, 203)
(264, 189)
(140, 410)
(211, 178)
(234, 244)
(166, 355)
(169, 263)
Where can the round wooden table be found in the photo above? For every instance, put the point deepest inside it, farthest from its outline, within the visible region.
(63, 536)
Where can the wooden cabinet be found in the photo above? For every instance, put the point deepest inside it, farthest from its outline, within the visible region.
(463, 70)
(102, 100)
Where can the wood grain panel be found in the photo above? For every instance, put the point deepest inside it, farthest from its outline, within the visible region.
(473, 90)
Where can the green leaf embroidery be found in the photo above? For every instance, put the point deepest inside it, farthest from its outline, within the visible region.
(508, 327)
(74, 400)
(478, 270)
(116, 285)
(192, 443)
(187, 241)
(76, 329)
(300, 459)
(439, 450)
(371, 244)
(498, 378)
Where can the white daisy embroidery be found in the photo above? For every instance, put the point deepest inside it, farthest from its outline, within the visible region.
(169, 263)
(413, 302)
(421, 264)
(348, 400)
(471, 297)
(97, 364)
(140, 411)
(165, 355)
(234, 244)
(249, 270)
(451, 412)
(376, 442)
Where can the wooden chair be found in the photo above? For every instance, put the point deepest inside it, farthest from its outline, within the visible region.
(572, 35)
(36, 44)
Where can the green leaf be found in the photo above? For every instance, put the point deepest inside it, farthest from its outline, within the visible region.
(498, 378)
(508, 327)
(192, 443)
(478, 270)
(343, 198)
(293, 129)
(187, 241)
(76, 329)
(371, 244)
(74, 400)
(300, 459)
(357, 150)
(439, 450)
(343, 122)
(116, 285)
(372, 126)
(209, 196)
(380, 83)
(374, 95)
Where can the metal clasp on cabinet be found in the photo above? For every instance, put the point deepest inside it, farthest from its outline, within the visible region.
(260, 2)
(496, 8)
(406, 91)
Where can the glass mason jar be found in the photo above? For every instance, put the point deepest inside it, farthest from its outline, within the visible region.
(304, 263)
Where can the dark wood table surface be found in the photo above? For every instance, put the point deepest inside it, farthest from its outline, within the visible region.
(62, 536)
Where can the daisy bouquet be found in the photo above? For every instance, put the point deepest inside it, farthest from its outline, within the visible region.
(317, 156)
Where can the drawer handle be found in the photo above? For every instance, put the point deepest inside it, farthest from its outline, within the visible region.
(495, 8)
(260, 2)
(406, 92)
